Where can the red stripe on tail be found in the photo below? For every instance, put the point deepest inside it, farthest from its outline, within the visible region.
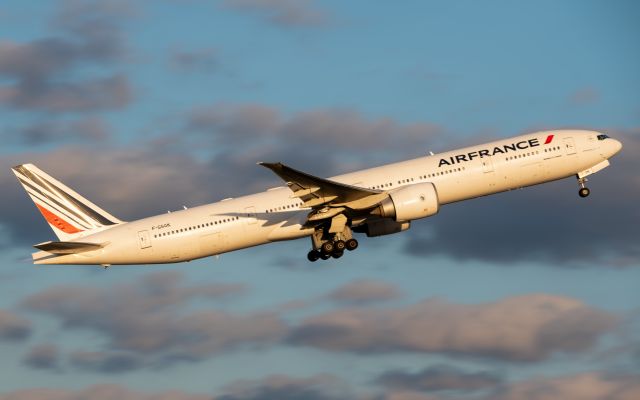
(58, 222)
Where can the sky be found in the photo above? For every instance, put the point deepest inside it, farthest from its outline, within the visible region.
(149, 106)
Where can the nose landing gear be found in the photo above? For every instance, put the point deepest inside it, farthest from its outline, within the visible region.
(584, 191)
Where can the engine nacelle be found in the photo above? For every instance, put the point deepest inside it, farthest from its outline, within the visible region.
(410, 202)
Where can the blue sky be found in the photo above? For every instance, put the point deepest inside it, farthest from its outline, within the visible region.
(148, 106)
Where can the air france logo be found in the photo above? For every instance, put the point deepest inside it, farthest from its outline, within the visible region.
(522, 145)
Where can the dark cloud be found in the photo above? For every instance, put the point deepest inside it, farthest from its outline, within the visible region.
(323, 141)
(99, 392)
(95, 94)
(524, 328)
(234, 122)
(43, 356)
(547, 223)
(13, 327)
(284, 13)
(40, 73)
(145, 322)
(93, 129)
(364, 291)
(439, 378)
(105, 362)
(282, 387)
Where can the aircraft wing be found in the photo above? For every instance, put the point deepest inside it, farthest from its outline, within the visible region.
(318, 193)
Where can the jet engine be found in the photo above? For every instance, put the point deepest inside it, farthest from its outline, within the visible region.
(410, 202)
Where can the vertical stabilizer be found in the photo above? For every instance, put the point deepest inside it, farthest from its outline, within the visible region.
(70, 215)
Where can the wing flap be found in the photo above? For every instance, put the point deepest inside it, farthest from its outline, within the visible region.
(69, 247)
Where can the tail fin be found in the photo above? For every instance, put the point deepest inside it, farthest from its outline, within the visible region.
(70, 215)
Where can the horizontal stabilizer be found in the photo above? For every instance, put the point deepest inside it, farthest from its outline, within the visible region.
(69, 247)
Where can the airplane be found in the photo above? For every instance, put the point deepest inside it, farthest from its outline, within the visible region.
(376, 201)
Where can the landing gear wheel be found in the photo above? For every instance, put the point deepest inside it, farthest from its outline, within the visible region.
(337, 254)
(313, 256)
(352, 244)
(325, 256)
(584, 192)
(327, 247)
(339, 245)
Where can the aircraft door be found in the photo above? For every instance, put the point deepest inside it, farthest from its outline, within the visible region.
(569, 146)
(489, 177)
(251, 215)
(487, 164)
(144, 240)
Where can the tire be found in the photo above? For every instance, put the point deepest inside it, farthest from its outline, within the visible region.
(313, 256)
(584, 192)
(352, 244)
(339, 245)
(337, 254)
(327, 247)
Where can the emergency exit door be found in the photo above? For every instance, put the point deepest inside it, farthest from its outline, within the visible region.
(569, 146)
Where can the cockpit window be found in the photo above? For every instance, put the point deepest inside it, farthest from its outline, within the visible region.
(602, 137)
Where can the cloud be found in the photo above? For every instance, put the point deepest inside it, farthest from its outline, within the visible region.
(322, 141)
(547, 223)
(234, 122)
(89, 95)
(283, 13)
(275, 387)
(524, 328)
(43, 356)
(363, 292)
(282, 387)
(40, 73)
(99, 392)
(13, 327)
(112, 362)
(146, 323)
(439, 378)
(93, 129)
(585, 386)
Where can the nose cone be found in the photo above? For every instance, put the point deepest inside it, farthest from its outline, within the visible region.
(615, 146)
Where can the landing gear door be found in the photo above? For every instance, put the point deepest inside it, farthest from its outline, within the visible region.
(569, 146)
(143, 239)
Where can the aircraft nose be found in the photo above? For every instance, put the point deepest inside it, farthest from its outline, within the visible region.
(616, 146)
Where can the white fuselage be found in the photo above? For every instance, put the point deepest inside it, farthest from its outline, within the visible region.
(275, 215)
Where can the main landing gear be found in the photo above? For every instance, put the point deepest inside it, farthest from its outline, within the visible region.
(333, 249)
(584, 191)
(327, 245)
